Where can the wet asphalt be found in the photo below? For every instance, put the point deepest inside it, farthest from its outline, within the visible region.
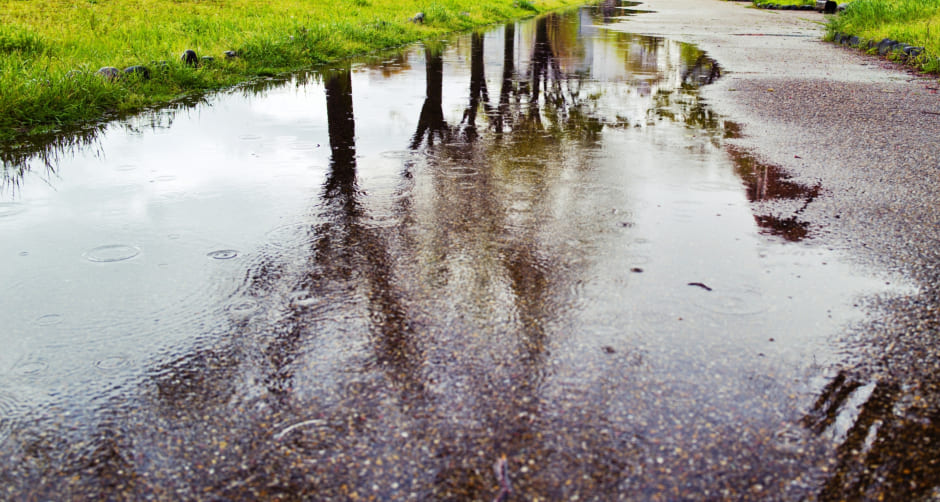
(461, 329)
(866, 131)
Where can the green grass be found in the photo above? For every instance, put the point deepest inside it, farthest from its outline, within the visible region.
(51, 49)
(914, 22)
(785, 2)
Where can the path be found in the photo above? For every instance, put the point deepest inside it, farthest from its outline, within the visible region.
(866, 131)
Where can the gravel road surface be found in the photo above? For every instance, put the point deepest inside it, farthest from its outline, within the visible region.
(865, 130)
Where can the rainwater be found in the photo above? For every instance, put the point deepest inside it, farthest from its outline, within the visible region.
(378, 279)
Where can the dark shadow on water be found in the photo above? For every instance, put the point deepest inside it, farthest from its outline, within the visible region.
(780, 201)
(891, 448)
(431, 122)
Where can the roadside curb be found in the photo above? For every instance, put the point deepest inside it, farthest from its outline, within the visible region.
(773, 6)
(900, 52)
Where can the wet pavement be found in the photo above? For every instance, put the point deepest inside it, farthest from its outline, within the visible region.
(864, 130)
(536, 248)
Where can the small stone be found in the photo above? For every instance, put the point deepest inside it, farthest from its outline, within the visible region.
(230, 54)
(901, 49)
(830, 7)
(189, 57)
(207, 59)
(139, 70)
(419, 18)
(109, 72)
(885, 46)
(913, 52)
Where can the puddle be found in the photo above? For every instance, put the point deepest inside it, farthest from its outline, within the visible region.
(528, 246)
(9, 209)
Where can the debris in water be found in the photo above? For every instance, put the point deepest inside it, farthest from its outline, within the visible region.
(701, 285)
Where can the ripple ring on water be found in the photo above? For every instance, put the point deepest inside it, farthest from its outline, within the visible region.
(739, 301)
(243, 310)
(49, 320)
(396, 154)
(31, 368)
(112, 363)
(222, 254)
(291, 235)
(111, 253)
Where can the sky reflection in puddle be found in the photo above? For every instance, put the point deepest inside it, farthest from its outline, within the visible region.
(529, 242)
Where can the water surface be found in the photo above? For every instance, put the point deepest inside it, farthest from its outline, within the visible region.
(376, 280)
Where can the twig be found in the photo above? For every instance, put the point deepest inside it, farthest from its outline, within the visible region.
(280, 435)
(501, 467)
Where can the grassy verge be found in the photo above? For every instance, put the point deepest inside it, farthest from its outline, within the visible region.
(759, 3)
(50, 50)
(913, 22)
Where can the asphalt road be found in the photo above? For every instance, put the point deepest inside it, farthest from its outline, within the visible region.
(865, 130)
(452, 322)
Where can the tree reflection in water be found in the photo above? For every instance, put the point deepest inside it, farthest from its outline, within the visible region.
(431, 122)
(405, 358)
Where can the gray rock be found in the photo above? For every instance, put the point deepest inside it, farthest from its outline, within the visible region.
(189, 57)
(109, 72)
(207, 59)
(842, 6)
(419, 18)
(855, 41)
(141, 71)
(830, 7)
(914, 52)
(230, 54)
(885, 46)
